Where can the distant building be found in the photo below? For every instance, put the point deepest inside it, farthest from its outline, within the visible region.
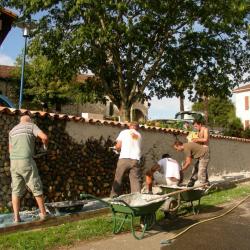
(242, 104)
(89, 110)
(6, 19)
(7, 81)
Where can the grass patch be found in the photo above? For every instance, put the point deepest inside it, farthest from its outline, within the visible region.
(61, 235)
(95, 228)
(223, 196)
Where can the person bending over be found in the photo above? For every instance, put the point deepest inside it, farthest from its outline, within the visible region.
(166, 171)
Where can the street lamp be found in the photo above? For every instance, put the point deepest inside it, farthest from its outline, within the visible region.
(26, 27)
(25, 35)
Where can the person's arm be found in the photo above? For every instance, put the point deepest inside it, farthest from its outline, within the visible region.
(118, 145)
(43, 137)
(187, 163)
(149, 176)
(10, 145)
(37, 132)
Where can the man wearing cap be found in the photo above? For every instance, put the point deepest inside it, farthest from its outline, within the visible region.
(128, 143)
(23, 168)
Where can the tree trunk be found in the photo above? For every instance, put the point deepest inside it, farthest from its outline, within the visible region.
(205, 100)
(125, 114)
(181, 103)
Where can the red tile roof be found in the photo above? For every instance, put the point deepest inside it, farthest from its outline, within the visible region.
(105, 122)
(244, 88)
(7, 18)
(8, 13)
(83, 77)
(6, 71)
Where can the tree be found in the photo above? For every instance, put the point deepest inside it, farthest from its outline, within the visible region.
(220, 111)
(129, 45)
(44, 85)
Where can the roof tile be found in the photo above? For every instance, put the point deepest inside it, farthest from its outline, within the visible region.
(65, 117)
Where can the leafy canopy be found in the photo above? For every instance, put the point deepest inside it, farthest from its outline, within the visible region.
(220, 111)
(161, 46)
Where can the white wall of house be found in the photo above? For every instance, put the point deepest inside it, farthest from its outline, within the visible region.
(242, 105)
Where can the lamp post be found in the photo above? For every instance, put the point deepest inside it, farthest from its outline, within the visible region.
(25, 35)
(26, 29)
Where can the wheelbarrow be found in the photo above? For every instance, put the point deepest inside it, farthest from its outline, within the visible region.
(126, 207)
(183, 194)
(62, 207)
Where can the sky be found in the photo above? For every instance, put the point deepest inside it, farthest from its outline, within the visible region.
(14, 43)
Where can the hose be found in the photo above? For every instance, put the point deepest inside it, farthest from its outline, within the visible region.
(169, 241)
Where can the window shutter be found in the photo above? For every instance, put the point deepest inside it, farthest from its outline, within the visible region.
(246, 124)
(246, 103)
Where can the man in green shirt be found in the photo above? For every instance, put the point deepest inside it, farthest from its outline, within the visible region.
(196, 151)
(22, 166)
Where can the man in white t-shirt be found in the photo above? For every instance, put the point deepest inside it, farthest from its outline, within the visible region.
(128, 143)
(166, 172)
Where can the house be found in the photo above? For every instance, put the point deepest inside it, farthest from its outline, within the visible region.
(139, 111)
(6, 19)
(242, 104)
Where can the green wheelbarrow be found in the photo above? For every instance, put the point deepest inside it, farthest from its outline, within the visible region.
(180, 195)
(126, 208)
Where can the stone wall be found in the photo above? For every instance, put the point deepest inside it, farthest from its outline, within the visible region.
(79, 158)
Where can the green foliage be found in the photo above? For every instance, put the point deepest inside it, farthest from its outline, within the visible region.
(168, 124)
(220, 111)
(246, 133)
(164, 47)
(234, 128)
(44, 84)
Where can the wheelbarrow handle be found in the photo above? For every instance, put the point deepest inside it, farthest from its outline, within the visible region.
(209, 188)
(90, 196)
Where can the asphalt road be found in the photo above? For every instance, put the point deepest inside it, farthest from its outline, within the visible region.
(230, 232)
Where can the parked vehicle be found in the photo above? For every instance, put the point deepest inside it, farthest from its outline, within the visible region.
(180, 119)
(188, 116)
(6, 102)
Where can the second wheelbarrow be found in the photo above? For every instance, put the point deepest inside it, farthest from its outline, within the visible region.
(184, 194)
(126, 207)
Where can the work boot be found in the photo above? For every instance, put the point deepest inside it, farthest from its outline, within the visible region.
(191, 183)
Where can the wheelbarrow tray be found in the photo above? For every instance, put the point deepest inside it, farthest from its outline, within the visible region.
(65, 206)
(128, 204)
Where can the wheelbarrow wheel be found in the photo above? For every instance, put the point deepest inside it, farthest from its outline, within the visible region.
(170, 208)
(148, 221)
